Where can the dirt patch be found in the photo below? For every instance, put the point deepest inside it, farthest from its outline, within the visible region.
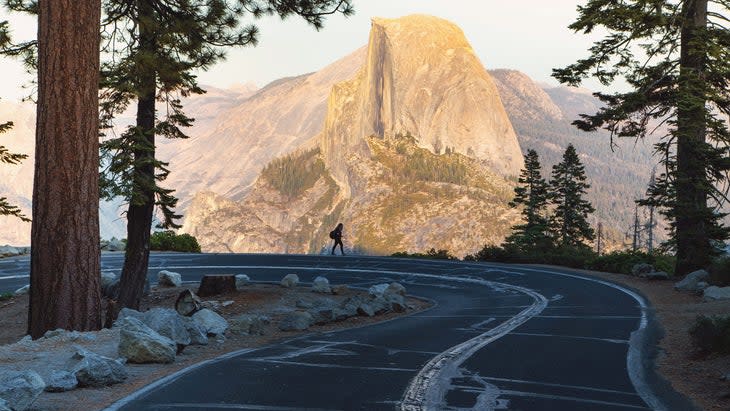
(697, 377)
(46, 355)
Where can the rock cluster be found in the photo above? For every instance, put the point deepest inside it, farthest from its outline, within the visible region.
(696, 282)
(382, 298)
(648, 271)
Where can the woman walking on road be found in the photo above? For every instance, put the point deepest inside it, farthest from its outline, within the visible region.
(336, 235)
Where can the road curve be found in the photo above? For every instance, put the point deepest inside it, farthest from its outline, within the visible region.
(499, 337)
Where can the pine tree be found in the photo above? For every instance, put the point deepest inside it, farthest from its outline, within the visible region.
(532, 195)
(65, 255)
(155, 48)
(673, 55)
(568, 186)
(10, 158)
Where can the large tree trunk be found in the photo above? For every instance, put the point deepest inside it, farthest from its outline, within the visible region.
(64, 267)
(141, 205)
(691, 211)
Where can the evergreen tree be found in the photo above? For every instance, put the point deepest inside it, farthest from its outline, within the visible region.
(155, 47)
(532, 195)
(673, 55)
(9, 158)
(568, 186)
(65, 255)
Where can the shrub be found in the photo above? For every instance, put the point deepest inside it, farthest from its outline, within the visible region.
(169, 241)
(430, 254)
(623, 261)
(711, 334)
(6, 296)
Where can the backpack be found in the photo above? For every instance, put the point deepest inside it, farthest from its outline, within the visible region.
(332, 234)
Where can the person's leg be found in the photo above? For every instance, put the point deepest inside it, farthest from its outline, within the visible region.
(342, 249)
(334, 246)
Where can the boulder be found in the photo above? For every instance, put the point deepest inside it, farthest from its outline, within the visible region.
(641, 269)
(296, 321)
(4, 406)
(242, 280)
(168, 323)
(20, 388)
(248, 324)
(396, 288)
(94, 370)
(378, 290)
(322, 315)
(61, 381)
(714, 293)
(188, 303)
(212, 323)
(213, 305)
(217, 284)
(395, 302)
(304, 304)
(140, 344)
(290, 280)
(657, 276)
(321, 285)
(22, 290)
(111, 290)
(168, 279)
(691, 281)
(107, 277)
(365, 310)
(198, 335)
(340, 289)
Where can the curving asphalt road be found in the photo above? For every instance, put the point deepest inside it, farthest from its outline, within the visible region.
(499, 337)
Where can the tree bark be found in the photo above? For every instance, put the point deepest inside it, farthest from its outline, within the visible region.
(693, 241)
(142, 203)
(64, 271)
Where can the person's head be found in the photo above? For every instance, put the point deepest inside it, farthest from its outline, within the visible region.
(339, 226)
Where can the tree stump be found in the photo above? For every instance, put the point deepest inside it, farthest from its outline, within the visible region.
(217, 284)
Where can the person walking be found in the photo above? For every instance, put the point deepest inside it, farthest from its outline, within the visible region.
(336, 235)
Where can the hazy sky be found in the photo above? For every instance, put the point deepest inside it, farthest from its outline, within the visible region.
(527, 35)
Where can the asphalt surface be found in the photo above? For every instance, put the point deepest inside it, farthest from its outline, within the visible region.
(499, 337)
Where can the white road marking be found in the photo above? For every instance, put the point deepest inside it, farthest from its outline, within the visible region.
(572, 399)
(548, 384)
(216, 406)
(610, 340)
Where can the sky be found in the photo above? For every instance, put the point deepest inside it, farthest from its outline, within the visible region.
(526, 35)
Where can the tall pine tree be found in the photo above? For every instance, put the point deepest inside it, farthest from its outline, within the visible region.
(568, 186)
(674, 57)
(532, 195)
(155, 47)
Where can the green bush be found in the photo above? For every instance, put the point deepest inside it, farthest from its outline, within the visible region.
(711, 334)
(432, 254)
(623, 261)
(6, 296)
(169, 241)
(720, 272)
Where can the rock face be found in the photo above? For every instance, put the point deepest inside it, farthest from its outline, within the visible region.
(20, 389)
(419, 85)
(422, 76)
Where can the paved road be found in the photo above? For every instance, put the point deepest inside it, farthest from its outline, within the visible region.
(498, 338)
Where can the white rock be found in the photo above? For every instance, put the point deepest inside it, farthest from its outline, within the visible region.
(61, 381)
(396, 288)
(198, 336)
(107, 277)
(321, 285)
(95, 370)
(22, 290)
(242, 280)
(20, 388)
(140, 344)
(296, 321)
(290, 280)
(378, 290)
(168, 323)
(690, 282)
(115, 245)
(210, 321)
(169, 279)
(714, 293)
